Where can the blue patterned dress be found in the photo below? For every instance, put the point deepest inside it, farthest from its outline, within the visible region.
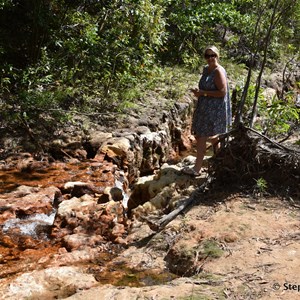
(212, 115)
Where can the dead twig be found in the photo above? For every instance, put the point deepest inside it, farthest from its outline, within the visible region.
(271, 141)
(160, 224)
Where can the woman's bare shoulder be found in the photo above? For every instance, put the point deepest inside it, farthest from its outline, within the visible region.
(220, 71)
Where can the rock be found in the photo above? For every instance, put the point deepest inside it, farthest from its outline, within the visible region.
(160, 189)
(119, 150)
(274, 81)
(70, 207)
(25, 201)
(81, 240)
(68, 186)
(114, 193)
(6, 241)
(269, 94)
(97, 138)
(118, 231)
(80, 154)
(86, 189)
(177, 289)
(85, 217)
(52, 283)
(79, 256)
(142, 130)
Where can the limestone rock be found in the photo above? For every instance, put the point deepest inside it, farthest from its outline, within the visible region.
(97, 138)
(52, 283)
(85, 217)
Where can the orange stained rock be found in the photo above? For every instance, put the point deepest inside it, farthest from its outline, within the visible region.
(101, 175)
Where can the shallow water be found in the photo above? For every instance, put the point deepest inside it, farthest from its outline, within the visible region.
(23, 244)
(29, 234)
(29, 226)
(57, 174)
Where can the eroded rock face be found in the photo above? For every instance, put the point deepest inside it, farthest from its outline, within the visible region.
(141, 149)
(162, 190)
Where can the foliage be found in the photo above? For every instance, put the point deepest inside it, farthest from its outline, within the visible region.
(262, 43)
(211, 249)
(100, 56)
(278, 117)
(256, 16)
(192, 25)
(261, 185)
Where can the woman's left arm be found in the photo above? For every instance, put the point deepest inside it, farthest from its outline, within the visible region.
(221, 84)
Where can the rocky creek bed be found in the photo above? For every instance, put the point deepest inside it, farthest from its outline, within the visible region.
(78, 224)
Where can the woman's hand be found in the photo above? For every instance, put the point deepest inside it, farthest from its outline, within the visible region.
(197, 93)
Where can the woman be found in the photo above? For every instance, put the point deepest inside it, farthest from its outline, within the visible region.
(212, 116)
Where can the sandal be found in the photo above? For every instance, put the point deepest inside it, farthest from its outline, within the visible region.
(190, 171)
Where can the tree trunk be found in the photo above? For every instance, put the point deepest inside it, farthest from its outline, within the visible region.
(266, 45)
(239, 113)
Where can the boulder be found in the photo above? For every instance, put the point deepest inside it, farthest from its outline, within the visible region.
(51, 283)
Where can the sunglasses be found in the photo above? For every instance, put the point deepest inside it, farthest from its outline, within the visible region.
(210, 55)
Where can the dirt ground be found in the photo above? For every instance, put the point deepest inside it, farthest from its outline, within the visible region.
(227, 245)
(260, 243)
(240, 248)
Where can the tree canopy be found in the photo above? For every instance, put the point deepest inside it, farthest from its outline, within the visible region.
(94, 54)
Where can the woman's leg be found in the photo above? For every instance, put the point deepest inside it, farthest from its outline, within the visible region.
(201, 149)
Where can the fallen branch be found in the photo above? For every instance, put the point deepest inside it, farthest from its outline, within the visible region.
(30, 132)
(271, 141)
(160, 224)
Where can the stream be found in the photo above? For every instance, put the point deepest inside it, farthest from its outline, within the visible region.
(26, 240)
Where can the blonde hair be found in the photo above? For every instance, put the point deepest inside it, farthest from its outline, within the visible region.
(213, 49)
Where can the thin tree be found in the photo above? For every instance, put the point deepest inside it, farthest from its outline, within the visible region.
(253, 51)
(279, 8)
(267, 41)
